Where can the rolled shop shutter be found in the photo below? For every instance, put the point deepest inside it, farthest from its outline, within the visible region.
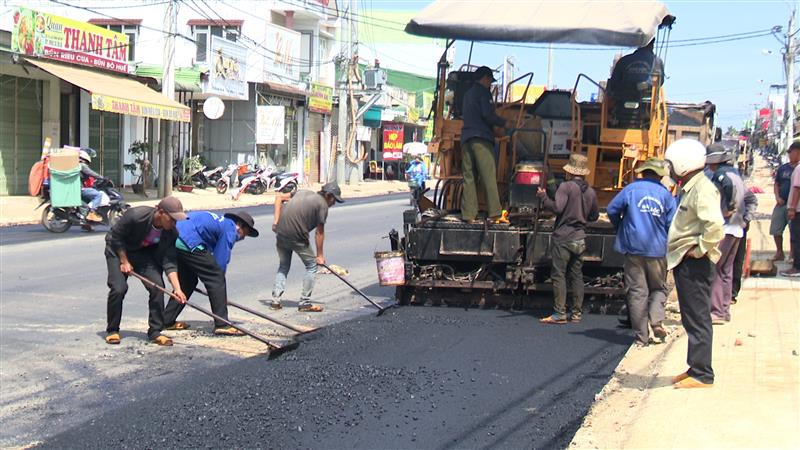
(20, 132)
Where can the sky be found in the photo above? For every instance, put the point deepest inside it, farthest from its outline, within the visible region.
(734, 75)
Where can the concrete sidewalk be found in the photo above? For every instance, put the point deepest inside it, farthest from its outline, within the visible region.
(755, 402)
(17, 210)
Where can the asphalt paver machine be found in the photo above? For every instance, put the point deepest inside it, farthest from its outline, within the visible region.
(447, 260)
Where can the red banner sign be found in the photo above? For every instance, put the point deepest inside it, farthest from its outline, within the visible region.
(392, 141)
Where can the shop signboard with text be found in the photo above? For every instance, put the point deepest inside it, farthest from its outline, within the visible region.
(53, 37)
(226, 73)
(270, 124)
(392, 141)
(282, 58)
(102, 102)
(321, 100)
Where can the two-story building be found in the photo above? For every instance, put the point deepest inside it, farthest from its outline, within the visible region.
(267, 61)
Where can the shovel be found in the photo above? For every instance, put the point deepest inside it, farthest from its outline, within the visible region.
(264, 316)
(381, 309)
(274, 350)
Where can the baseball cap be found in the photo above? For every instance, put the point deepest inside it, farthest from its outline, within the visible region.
(484, 71)
(173, 207)
(333, 189)
(654, 164)
(245, 218)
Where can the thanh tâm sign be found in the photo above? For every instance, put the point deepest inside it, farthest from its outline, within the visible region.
(54, 37)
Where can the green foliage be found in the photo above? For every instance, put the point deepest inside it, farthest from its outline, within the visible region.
(191, 165)
(140, 164)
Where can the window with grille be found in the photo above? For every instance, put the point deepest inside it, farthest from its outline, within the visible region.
(132, 31)
(202, 37)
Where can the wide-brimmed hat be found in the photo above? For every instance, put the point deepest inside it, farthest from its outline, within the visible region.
(245, 218)
(655, 165)
(333, 189)
(718, 154)
(578, 165)
(173, 207)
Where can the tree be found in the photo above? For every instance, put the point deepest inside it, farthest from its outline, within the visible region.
(732, 131)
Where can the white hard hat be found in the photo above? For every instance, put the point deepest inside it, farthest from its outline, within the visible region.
(84, 155)
(686, 155)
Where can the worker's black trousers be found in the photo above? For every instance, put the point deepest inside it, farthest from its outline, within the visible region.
(200, 265)
(693, 278)
(144, 263)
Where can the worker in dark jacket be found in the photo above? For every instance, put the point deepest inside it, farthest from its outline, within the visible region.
(477, 148)
(575, 204)
(204, 247)
(634, 72)
(143, 240)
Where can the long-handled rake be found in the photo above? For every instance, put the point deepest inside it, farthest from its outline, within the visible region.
(381, 309)
(274, 349)
(296, 329)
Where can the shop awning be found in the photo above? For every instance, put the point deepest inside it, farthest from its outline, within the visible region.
(287, 89)
(118, 94)
(187, 79)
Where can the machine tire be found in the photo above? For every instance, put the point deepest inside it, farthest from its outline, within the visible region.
(222, 186)
(51, 223)
(403, 295)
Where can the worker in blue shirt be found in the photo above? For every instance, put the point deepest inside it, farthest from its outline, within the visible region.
(204, 247)
(642, 213)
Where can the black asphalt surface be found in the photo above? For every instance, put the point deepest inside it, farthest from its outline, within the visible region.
(417, 377)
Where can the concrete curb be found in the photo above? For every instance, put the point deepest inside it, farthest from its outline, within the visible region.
(621, 387)
(262, 200)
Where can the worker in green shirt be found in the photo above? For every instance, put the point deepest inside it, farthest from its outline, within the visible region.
(692, 252)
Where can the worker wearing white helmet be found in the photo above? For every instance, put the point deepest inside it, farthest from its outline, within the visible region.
(691, 254)
(89, 194)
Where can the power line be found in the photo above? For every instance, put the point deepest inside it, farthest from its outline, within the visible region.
(686, 42)
(91, 10)
(301, 62)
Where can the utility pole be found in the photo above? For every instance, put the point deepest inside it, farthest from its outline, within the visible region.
(166, 141)
(788, 58)
(344, 110)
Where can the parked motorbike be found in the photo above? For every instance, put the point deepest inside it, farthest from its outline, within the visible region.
(199, 179)
(285, 182)
(213, 175)
(59, 220)
(268, 178)
(256, 184)
(228, 178)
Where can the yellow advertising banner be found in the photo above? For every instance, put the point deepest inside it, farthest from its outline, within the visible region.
(119, 105)
(49, 36)
(321, 100)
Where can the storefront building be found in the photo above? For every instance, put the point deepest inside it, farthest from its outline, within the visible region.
(68, 82)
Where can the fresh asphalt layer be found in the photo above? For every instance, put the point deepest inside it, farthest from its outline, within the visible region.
(416, 377)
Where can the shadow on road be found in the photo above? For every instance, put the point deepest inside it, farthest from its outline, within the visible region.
(613, 336)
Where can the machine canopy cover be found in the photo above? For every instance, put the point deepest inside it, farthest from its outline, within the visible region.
(612, 23)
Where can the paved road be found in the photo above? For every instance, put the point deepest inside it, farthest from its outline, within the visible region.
(52, 316)
(478, 378)
(417, 377)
